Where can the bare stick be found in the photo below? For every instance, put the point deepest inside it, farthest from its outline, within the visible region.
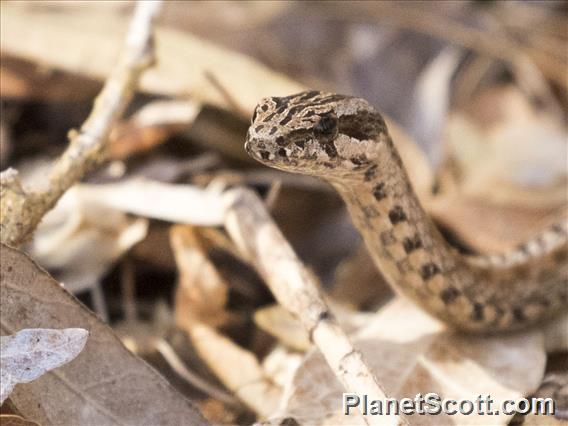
(20, 209)
(296, 289)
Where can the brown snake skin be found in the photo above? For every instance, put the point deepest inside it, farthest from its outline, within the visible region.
(344, 141)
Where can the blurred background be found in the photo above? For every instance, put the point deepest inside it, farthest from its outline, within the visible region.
(475, 93)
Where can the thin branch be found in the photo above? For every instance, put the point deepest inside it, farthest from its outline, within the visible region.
(178, 366)
(21, 210)
(297, 290)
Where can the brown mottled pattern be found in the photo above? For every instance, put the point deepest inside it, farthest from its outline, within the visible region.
(344, 140)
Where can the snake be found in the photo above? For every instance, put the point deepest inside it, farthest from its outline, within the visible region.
(344, 141)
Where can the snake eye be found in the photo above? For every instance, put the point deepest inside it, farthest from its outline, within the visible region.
(326, 127)
(253, 115)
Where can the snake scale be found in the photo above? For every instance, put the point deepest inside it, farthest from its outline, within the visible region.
(345, 141)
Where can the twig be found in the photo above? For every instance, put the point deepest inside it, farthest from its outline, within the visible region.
(229, 98)
(178, 366)
(177, 203)
(20, 209)
(262, 177)
(256, 235)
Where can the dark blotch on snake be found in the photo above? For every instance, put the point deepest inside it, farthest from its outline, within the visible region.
(429, 270)
(449, 294)
(370, 173)
(379, 191)
(411, 244)
(519, 314)
(477, 314)
(397, 215)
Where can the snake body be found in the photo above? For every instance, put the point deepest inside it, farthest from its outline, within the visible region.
(344, 140)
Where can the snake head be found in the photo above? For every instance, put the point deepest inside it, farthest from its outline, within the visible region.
(315, 133)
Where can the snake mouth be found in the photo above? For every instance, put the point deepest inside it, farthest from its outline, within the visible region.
(260, 150)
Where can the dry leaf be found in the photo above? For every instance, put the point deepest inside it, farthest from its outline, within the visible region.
(431, 99)
(202, 292)
(238, 369)
(31, 352)
(174, 203)
(15, 420)
(83, 238)
(25, 81)
(280, 323)
(201, 297)
(152, 125)
(412, 353)
(505, 176)
(506, 150)
(358, 282)
(105, 384)
(183, 62)
(487, 226)
(281, 364)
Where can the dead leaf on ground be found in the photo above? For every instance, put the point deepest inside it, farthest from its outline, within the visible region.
(89, 47)
(29, 353)
(201, 299)
(488, 226)
(504, 178)
(106, 384)
(15, 420)
(84, 239)
(202, 292)
(282, 325)
(248, 381)
(503, 148)
(412, 353)
(371, 291)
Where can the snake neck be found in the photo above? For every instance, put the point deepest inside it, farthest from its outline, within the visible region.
(344, 140)
(403, 242)
(477, 294)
